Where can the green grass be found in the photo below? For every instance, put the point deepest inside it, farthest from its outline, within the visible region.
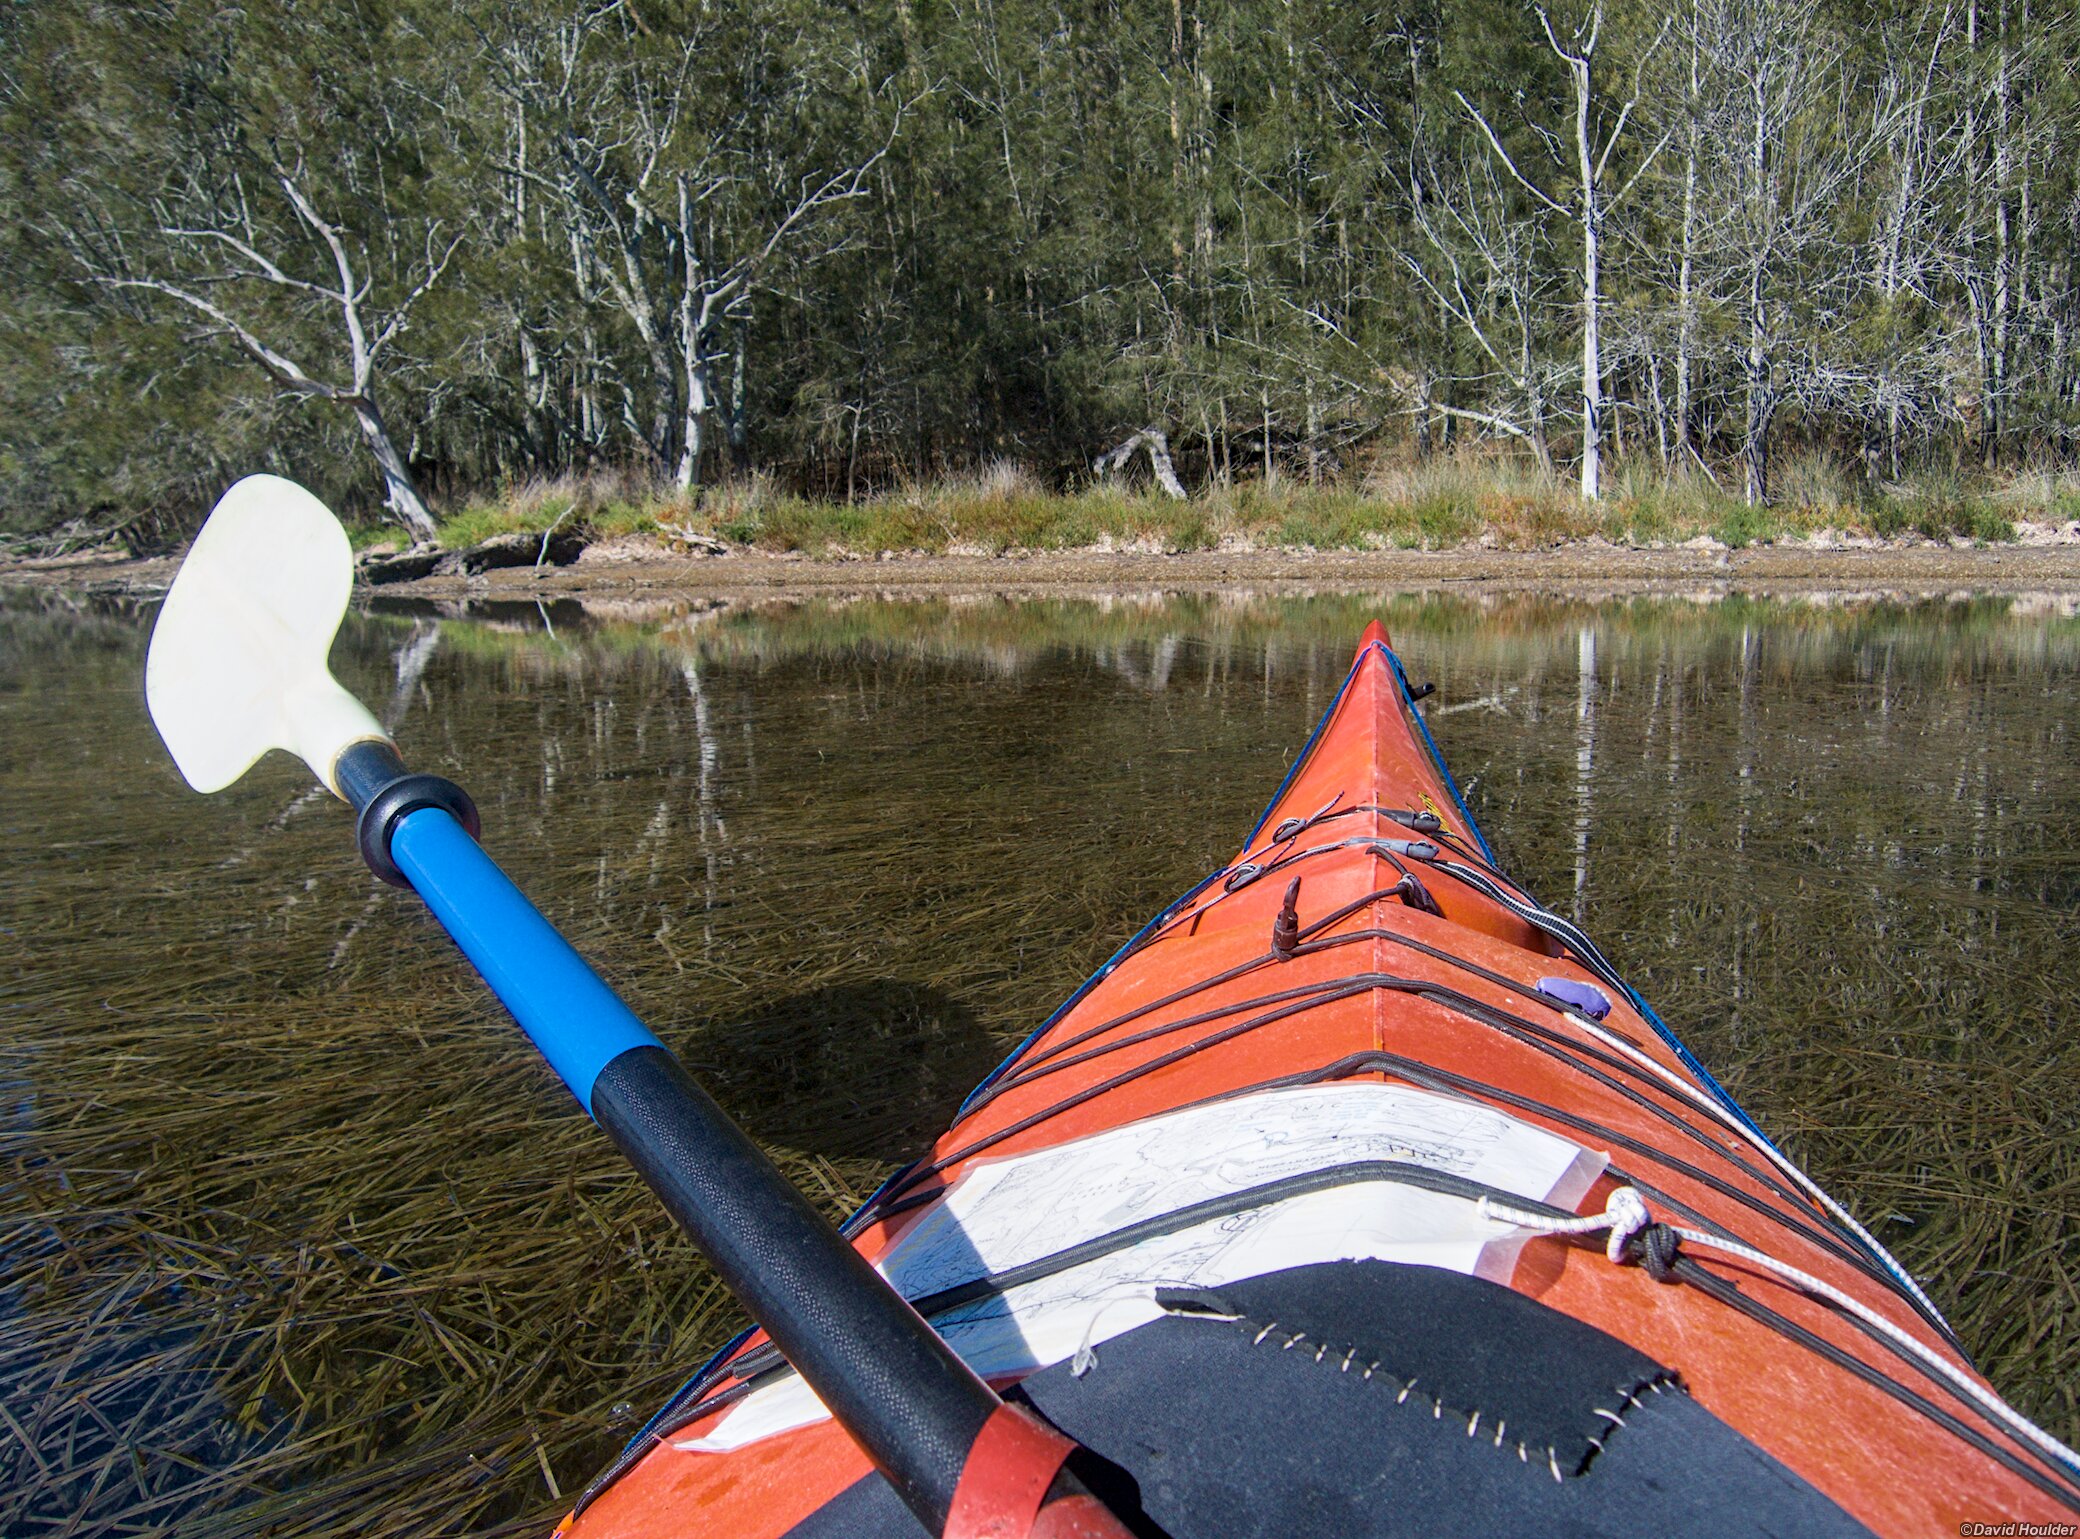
(603, 506)
(1447, 502)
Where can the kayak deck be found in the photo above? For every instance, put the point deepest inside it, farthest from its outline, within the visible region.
(1305, 1093)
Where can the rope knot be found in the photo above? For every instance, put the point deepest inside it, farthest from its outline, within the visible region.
(1654, 1248)
(1626, 1212)
(1636, 1237)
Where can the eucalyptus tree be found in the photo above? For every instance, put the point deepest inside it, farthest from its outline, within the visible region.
(2050, 209)
(1786, 172)
(1672, 233)
(1583, 150)
(2013, 226)
(1484, 265)
(1693, 129)
(687, 150)
(1916, 187)
(1990, 258)
(261, 173)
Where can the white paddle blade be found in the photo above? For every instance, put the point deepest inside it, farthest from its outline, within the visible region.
(237, 661)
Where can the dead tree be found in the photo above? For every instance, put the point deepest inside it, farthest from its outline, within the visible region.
(670, 213)
(1799, 142)
(1905, 267)
(1481, 266)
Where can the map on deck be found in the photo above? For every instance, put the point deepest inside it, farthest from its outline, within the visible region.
(1007, 1213)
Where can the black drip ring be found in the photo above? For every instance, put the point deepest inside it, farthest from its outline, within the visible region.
(393, 802)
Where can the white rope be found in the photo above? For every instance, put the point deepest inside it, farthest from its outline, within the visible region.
(1625, 1215)
(1697, 1097)
(1537, 914)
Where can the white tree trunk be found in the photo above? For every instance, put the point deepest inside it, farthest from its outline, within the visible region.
(1755, 440)
(1686, 302)
(1591, 216)
(689, 475)
(1588, 212)
(401, 494)
(214, 290)
(2001, 349)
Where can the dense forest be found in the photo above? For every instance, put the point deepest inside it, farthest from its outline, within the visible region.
(411, 250)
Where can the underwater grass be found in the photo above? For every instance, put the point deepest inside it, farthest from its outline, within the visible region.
(298, 1239)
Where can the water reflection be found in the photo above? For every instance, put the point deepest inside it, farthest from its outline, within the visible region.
(297, 1236)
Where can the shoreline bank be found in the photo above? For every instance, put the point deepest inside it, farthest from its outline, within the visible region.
(621, 569)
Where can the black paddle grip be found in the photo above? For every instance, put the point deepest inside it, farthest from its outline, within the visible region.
(913, 1406)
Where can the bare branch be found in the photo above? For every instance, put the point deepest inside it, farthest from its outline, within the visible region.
(279, 366)
(1509, 164)
(434, 268)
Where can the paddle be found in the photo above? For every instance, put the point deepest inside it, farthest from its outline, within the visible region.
(237, 667)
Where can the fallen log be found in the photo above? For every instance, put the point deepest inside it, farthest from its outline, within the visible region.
(1157, 443)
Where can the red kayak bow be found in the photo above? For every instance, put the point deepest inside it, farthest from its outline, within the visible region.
(1359, 1194)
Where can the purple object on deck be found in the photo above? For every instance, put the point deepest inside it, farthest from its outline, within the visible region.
(1585, 997)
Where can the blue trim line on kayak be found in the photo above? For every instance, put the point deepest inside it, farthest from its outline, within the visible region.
(1299, 762)
(1408, 697)
(1633, 996)
(1306, 749)
(894, 1176)
(1070, 1003)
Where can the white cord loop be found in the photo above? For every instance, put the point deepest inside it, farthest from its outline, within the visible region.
(1625, 1216)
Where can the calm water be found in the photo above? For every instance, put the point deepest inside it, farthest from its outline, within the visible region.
(295, 1236)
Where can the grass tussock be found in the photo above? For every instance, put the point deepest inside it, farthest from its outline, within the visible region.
(1465, 498)
(603, 503)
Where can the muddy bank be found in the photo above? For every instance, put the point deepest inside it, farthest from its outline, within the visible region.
(624, 569)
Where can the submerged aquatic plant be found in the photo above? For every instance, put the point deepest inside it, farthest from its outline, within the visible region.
(297, 1237)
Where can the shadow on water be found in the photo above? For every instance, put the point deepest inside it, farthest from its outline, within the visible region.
(849, 1071)
(297, 1238)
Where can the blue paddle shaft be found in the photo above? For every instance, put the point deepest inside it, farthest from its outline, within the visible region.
(894, 1384)
(577, 1022)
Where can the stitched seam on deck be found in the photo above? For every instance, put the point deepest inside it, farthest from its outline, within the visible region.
(1342, 1359)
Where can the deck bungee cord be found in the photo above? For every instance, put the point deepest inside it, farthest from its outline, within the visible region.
(1491, 884)
(1061, 1055)
(1625, 1216)
(1634, 1234)
(701, 1398)
(894, 1203)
